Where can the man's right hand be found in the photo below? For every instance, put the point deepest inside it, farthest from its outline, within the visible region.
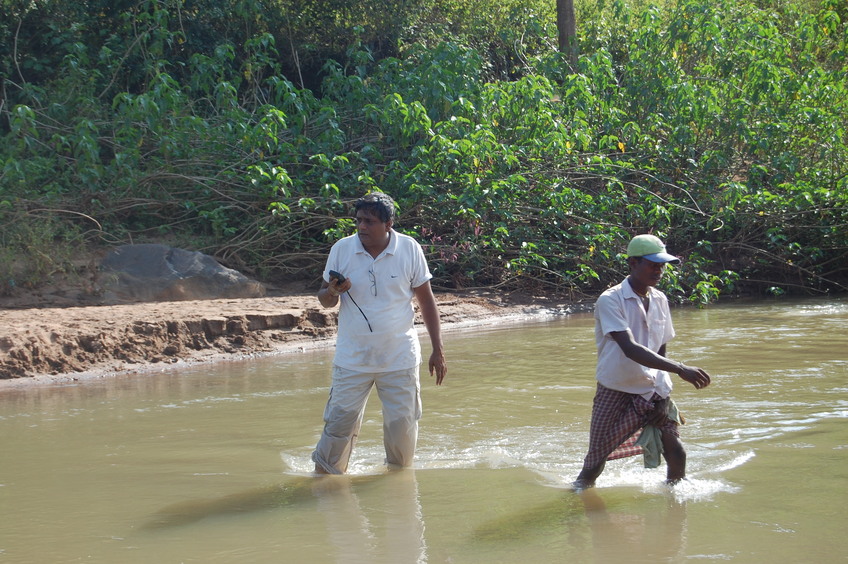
(335, 288)
(329, 293)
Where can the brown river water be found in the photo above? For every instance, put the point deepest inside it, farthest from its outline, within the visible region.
(211, 464)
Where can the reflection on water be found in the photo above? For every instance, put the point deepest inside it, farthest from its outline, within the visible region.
(610, 530)
(212, 464)
(355, 534)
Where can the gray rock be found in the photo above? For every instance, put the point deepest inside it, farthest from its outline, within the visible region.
(147, 273)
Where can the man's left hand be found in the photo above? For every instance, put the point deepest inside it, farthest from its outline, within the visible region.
(438, 366)
(698, 377)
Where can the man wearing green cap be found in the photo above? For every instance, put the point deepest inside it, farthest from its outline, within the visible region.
(632, 327)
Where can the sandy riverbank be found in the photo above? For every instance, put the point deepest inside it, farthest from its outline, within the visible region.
(55, 344)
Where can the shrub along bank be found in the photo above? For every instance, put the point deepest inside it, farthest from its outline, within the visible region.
(720, 126)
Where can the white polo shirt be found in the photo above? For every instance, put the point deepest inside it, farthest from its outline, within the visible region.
(385, 299)
(619, 309)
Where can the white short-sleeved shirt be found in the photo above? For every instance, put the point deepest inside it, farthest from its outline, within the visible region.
(397, 271)
(618, 309)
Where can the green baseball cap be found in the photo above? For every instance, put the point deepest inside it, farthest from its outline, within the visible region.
(650, 247)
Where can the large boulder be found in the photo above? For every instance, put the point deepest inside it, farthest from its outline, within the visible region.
(146, 273)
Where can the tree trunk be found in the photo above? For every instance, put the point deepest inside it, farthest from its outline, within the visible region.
(567, 29)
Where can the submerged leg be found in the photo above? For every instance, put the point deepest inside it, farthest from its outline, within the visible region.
(400, 394)
(586, 478)
(615, 417)
(675, 458)
(342, 420)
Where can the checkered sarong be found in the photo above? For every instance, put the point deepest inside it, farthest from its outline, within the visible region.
(617, 421)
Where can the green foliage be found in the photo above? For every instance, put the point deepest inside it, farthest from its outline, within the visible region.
(720, 126)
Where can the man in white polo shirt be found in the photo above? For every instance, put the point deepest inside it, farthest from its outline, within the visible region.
(377, 344)
(632, 327)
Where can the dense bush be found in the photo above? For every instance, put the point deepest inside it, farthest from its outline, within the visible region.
(721, 126)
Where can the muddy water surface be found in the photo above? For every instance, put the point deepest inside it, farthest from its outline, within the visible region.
(212, 464)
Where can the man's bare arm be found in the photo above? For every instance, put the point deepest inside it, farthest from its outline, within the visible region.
(646, 357)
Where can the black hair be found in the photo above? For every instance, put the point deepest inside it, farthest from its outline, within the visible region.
(378, 203)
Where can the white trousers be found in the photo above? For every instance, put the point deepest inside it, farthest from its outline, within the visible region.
(400, 394)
